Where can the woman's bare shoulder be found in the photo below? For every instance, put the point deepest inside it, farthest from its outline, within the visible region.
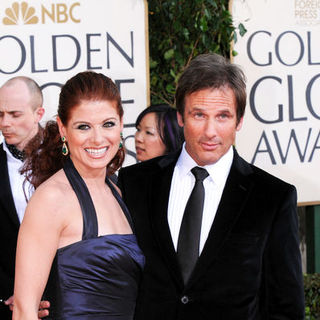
(53, 191)
(50, 204)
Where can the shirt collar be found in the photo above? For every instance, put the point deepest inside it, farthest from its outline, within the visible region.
(9, 154)
(218, 171)
(14, 151)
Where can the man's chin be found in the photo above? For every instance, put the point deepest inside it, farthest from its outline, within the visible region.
(205, 161)
(11, 140)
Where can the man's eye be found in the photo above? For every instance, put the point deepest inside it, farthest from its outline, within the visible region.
(16, 115)
(109, 124)
(199, 115)
(83, 127)
(223, 116)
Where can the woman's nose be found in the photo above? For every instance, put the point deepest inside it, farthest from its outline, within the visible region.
(138, 136)
(97, 136)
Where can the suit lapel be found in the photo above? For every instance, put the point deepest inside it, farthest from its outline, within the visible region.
(237, 189)
(159, 199)
(6, 198)
(234, 197)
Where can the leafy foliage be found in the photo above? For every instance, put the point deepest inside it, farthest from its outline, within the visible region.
(312, 295)
(180, 30)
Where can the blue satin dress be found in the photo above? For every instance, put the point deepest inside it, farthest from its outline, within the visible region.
(97, 277)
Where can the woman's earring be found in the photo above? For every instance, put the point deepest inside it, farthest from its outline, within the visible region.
(121, 141)
(65, 150)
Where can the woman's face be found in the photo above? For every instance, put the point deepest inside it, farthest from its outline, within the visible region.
(92, 134)
(147, 138)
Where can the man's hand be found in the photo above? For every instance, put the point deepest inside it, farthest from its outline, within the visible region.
(43, 307)
(9, 303)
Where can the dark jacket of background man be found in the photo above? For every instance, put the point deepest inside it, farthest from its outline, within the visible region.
(20, 112)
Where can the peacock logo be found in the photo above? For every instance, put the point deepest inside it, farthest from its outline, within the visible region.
(20, 13)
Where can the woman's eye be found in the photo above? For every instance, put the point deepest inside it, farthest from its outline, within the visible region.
(83, 127)
(109, 124)
(149, 132)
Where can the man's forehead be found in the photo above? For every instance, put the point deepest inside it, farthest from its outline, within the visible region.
(12, 105)
(12, 99)
(223, 97)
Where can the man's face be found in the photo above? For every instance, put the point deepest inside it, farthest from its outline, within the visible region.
(18, 120)
(210, 124)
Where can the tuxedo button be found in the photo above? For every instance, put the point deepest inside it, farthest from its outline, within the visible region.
(184, 299)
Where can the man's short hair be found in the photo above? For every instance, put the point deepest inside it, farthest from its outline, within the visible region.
(34, 89)
(211, 71)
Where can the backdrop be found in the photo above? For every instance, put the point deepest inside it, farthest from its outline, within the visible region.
(50, 41)
(280, 55)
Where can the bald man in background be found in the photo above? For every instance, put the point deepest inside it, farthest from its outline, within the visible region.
(20, 112)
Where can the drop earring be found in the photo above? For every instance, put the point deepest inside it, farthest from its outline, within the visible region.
(65, 150)
(121, 141)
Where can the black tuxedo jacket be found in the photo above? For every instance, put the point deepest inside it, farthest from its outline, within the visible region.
(9, 227)
(250, 266)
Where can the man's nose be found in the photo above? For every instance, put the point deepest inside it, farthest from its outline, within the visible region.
(5, 121)
(210, 129)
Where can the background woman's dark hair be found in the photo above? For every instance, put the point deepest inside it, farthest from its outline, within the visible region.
(48, 159)
(170, 132)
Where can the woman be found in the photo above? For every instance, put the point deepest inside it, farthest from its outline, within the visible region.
(76, 224)
(158, 132)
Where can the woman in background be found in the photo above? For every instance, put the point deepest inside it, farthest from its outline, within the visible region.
(77, 232)
(158, 132)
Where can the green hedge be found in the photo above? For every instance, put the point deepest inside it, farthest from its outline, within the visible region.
(312, 295)
(180, 30)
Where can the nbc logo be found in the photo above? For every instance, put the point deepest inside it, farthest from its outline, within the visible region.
(20, 14)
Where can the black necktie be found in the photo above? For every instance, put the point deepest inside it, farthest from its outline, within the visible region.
(189, 236)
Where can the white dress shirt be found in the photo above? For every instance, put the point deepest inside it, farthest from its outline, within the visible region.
(182, 184)
(16, 183)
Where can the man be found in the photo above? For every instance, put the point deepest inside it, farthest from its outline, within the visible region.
(242, 260)
(20, 112)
